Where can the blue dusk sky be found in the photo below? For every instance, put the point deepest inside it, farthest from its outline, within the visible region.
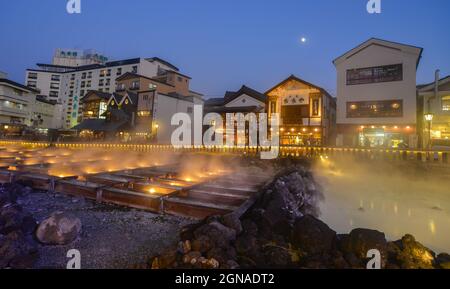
(223, 44)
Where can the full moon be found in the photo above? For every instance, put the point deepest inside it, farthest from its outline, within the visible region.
(303, 40)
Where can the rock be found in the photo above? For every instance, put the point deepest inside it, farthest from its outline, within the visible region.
(184, 247)
(277, 257)
(312, 236)
(202, 244)
(231, 264)
(167, 259)
(414, 255)
(353, 261)
(360, 241)
(212, 263)
(17, 251)
(249, 227)
(59, 229)
(443, 261)
(233, 222)
(220, 235)
(222, 254)
(192, 257)
(245, 243)
(339, 262)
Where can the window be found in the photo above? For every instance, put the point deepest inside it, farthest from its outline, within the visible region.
(119, 71)
(446, 103)
(377, 74)
(135, 85)
(83, 76)
(83, 84)
(134, 69)
(151, 86)
(190, 110)
(120, 87)
(89, 83)
(108, 82)
(31, 84)
(101, 82)
(54, 85)
(374, 109)
(53, 94)
(55, 77)
(89, 74)
(32, 75)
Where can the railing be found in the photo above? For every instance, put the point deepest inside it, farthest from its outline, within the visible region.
(441, 157)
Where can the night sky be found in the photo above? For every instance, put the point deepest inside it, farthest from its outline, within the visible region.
(224, 44)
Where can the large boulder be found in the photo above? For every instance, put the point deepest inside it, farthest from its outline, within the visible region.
(313, 236)
(443, 261)
(413, 255)
(59, 229)
(17, 251)
(361, 241)
(219, 235)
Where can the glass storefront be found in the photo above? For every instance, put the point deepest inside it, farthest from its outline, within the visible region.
(381, 138)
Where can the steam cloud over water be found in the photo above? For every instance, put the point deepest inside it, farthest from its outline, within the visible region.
(395, 198)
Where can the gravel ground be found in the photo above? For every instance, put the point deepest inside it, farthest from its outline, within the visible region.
(113, 237)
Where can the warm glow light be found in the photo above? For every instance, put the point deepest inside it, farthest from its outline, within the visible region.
(304, 129)
(429, 117)
(396, 127)
(152, 191)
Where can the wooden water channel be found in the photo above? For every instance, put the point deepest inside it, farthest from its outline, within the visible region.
(159, 189)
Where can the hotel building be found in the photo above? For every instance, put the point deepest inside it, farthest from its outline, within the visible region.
(376, 95)
(307, 112)
(67, 84)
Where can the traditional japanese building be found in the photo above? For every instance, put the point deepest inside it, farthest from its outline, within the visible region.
(307, 112)
(246, 100)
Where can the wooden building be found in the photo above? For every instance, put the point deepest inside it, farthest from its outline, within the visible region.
(307, 112)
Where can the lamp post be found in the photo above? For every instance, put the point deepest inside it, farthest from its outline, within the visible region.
(429, 119)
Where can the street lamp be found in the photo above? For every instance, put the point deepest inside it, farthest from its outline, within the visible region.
(429, 119)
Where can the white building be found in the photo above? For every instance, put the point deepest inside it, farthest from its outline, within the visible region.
(68, 84)
(16, 101)
(376, 95)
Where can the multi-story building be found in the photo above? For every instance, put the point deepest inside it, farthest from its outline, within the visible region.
(140, 109)
(307, 112)
(438, 107)
(376, 95)
(16, 101)
(68, 84)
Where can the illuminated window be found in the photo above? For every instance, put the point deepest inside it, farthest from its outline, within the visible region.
(446, 103)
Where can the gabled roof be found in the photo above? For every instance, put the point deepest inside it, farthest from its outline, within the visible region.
(295, 78)
(214, 102)
(379, 42)
(231, 95)
(101, 94)
(241, 109)
(430, 86)
(133, 97)
(127, 75)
